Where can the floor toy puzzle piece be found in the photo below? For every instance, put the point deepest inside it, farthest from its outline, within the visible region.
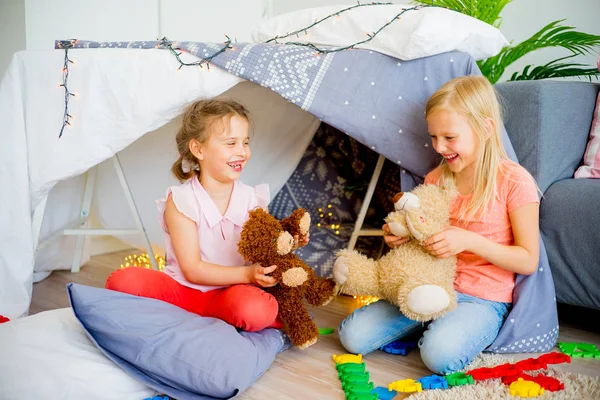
(398, 347)
(433, 382)
(384, 393)
(368, 396)
(350, 368)
(354, 378)
(347, 358)
(505, 370)
(480, 374)
(358, 388)
(531, 364)
(524, 388)
(555, 358)
(459, 379)
(549, 383)
(158, 398)
(406, 386)
(577, 349)
(326, 331)
(507, 380)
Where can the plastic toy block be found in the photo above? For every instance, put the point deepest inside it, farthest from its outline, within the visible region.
(555, 358)
(459, 379)
(326, 331)
(347, 358)
(433, 382)
(506, 370)
(524, 388)
(531, 364)
(549, 383)
(358, 388)
(383, 393)
(158, 398)
(343, 374)
(406, 386)
(3, 319)
(362, 396)
(398, 347)
(350, 368)
(507, 380)
(354, 378)
(584, 350)
(480, 374)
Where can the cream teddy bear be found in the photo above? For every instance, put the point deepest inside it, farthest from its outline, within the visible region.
(420, 284)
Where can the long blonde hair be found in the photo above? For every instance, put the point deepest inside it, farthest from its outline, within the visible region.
(198, 121)
(474, 98)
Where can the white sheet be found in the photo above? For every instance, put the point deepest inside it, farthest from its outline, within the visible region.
(280, 134)
(123, 93)
(49, 356)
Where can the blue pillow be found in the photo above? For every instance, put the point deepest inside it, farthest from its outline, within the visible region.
(171, 350)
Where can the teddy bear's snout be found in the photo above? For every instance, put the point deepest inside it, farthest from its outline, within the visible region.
(406, 202)
(285, 243)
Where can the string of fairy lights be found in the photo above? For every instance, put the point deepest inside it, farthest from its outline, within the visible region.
(66, 44)
(228, 45)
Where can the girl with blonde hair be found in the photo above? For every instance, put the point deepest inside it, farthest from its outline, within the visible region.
(494, 232)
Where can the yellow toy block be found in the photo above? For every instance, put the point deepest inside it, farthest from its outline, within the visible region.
(347, 358)
(524, 388)
(406, 386)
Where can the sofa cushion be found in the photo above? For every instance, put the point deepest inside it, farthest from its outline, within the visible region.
(591, 159)
(570, 225)
(548, 144)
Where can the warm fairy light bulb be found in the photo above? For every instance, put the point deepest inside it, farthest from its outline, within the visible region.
(143, 261)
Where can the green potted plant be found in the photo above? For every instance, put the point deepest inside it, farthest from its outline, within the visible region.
(552, 35)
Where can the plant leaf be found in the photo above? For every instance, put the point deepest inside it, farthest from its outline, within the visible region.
(556, 69)
(552, 35)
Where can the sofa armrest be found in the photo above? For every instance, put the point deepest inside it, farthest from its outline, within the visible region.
(548, 123)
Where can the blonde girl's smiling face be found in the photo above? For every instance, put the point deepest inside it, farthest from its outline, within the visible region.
(453, 138)
(225, 154)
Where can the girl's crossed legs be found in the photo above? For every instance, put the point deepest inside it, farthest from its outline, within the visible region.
(244, 306)
(448, 344)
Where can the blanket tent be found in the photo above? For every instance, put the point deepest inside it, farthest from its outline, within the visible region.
(128, 98)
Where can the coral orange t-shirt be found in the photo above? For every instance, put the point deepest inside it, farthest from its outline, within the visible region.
(476, 276)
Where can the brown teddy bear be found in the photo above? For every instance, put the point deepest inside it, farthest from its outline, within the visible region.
(420, 284)
(267, 241)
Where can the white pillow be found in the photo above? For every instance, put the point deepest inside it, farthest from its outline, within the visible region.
(49, 356)
(418, 33)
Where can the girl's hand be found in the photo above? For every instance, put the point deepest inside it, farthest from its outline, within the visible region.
(257, 274)
(448, 243)
(392, 240)
(300, 241)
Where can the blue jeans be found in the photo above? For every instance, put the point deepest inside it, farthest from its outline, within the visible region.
(447, 345)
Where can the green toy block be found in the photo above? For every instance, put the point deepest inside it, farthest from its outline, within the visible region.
(582, 350)
(459, 379)
(359, 388)
(350, 368)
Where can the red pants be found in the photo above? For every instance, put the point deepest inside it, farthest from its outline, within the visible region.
(243, 306)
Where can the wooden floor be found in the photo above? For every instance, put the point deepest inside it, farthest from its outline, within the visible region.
(309, 374)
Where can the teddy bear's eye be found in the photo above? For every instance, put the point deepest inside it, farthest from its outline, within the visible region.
(274, 240)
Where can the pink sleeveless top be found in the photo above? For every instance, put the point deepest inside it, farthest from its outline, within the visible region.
(218, 234)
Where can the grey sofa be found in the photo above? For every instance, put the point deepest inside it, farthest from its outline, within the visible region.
(549, 123)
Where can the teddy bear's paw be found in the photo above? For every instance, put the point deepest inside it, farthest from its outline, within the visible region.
(427, 299)
(304, 224)
(294, 277)
(340, 270)
(336, 291)
(308, 343)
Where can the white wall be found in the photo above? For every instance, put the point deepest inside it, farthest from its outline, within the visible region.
(128, 20)
(12, 30)
(521, 19)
